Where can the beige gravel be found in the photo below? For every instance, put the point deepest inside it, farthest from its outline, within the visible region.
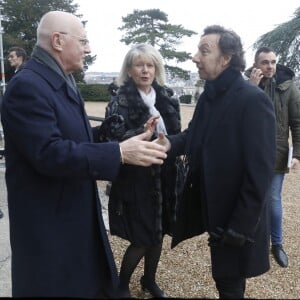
(184, 272)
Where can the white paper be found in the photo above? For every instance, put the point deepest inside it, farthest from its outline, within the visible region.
(289, 164)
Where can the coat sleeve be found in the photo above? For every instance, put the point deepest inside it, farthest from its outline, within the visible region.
(294, 119)
(52, 132)
(259, 148)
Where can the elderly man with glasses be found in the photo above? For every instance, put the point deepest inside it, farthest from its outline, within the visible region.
(59, 243)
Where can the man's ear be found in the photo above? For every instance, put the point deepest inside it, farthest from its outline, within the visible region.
(56, 41)
(226, 60)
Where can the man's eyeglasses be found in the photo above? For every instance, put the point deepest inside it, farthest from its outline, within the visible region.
(81, 40)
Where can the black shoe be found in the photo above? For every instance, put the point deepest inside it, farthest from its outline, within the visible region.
(1, 214)
(280, 256)
(152, 288)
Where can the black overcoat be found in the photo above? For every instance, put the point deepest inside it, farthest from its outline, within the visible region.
(58, 239)
(233, 157)
(142, 199)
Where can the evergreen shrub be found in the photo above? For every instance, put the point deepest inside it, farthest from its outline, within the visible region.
(94, 92)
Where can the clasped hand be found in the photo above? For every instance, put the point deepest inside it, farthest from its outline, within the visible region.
(138, 150)
(163, 141)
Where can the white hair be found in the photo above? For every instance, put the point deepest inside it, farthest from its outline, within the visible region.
(147, 51)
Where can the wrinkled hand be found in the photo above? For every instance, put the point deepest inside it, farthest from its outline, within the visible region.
(151, 124)
(148, 127)
(256, 76)
(139, 151)
(162, 140)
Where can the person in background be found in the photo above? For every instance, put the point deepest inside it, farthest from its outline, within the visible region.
(17, 57)
(112, 87)
(278, 82)
(59, 245)
(231, 158)
(142, 199)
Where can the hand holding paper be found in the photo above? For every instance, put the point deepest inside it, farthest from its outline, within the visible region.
(293, 163)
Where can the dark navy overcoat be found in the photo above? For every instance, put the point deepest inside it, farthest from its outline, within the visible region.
(235, 153)
(58, 240)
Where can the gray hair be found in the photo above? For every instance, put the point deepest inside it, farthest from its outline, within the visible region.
(230, 44)
(147, 51)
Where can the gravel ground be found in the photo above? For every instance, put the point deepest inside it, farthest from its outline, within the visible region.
(184, 272)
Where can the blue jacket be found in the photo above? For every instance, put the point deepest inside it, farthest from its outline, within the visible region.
(58, 240)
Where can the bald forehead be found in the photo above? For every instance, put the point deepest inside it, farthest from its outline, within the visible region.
(58, 21)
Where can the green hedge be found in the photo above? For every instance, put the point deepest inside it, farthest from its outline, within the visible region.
(94, 92)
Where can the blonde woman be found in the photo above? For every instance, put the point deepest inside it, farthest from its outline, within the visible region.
(142, 202)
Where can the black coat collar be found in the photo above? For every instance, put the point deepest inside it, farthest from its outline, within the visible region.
(217, 87)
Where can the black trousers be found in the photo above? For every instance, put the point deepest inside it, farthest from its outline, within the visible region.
(231, 288)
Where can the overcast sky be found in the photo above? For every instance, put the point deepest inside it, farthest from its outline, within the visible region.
(250, 19)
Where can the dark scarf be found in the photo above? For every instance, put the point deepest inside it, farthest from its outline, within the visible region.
(209, 101)
(215, 88)
(47, 59)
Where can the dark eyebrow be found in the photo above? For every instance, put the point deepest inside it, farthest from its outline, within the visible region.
(267, 61)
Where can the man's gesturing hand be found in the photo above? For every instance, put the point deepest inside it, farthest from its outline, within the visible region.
(138, 151)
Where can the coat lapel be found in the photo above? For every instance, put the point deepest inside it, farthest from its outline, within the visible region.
(219, 113)
(76, 97)
(57, 82)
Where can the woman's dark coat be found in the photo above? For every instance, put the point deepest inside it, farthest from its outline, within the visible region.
(231, 159)
(58, 239)
(142, 200)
